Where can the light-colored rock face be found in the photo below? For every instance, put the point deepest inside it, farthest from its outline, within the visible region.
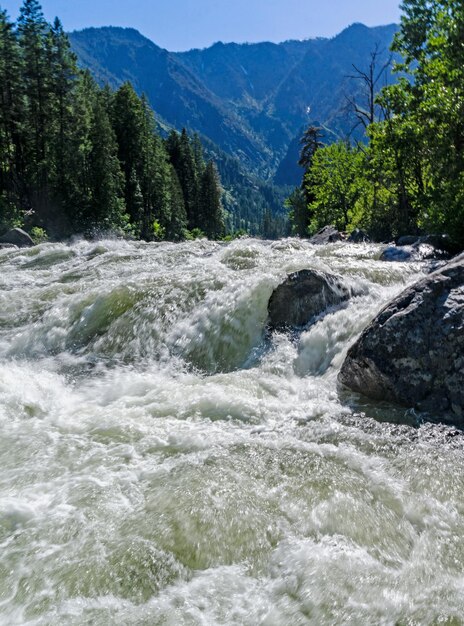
(17, 237)
(328, 234)
(304, 295)
(413, 352)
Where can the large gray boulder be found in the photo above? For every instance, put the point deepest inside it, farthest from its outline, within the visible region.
(17, 237)
(413, 351)
(328, 234)
(304, 295)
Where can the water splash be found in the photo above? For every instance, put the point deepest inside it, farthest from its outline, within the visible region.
(165, 461)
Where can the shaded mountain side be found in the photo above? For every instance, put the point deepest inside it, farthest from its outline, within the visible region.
(317, 87)
(249, 99)
(116, 55)
(248, 199)
(289, 172)
(253, 70)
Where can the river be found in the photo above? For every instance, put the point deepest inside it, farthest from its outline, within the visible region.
(165, 462)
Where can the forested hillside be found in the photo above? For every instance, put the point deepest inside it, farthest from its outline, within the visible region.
(79, 158)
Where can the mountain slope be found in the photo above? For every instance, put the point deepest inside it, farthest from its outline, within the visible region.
(317, 87)
(115, 55)
(249, 99)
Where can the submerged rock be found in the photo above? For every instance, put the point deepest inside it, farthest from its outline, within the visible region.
(442, 243)
(359, 236)
(328, 234)
(407, 240)
(410, 248)
(413, 351)
(17, 237)
(304, 295)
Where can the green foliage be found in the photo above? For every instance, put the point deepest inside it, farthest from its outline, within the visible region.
(210, 212)
(195, 233)
(424, 129)
(335, 182)
(38, 235)
(158, 231)
(410, 177)
(298, 212)
(239, 234)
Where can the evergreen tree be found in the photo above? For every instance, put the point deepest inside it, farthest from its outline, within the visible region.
(188, 179)
(78, 158)
(177, 223)
(211, 220)
(128, 121)
(299, 212)
(33, 33)
(11, 115)
(77, 192)
(106, 208)
(155, 178)
(62, 88)
(310, 144)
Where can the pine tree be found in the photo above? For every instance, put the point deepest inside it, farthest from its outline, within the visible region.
(128, 120)
(33, 33)
(177, 224)
(188, 180)
(211, 220)
(106, 208)
(11, 114)
(78, 190)
(155, 177)
(62, 93)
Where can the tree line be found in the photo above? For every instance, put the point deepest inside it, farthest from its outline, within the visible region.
(408, 177)
(77, 158)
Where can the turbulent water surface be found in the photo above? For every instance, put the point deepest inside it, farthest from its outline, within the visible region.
(164, 461)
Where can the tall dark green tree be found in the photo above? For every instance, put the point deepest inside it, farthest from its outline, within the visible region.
(188, 179)
(11, 116)
(33, 33)
(176, 225)
(106, 210)
(128, 121)
(75, 157)
(211, 219)
(310, 143)
(155, 178)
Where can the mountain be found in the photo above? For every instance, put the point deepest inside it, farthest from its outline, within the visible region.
(250, 99)
(115, 55)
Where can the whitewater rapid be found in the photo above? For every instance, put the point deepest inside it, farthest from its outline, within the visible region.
(164, 461)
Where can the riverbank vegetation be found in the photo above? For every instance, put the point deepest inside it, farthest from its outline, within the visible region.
(408, 177)
(77, 158)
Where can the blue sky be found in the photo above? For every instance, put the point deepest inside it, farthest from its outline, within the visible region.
(183, 24)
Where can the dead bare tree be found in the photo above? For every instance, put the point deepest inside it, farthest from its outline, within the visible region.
(366, 115)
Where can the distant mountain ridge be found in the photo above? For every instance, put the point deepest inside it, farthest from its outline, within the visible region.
(250, 99)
